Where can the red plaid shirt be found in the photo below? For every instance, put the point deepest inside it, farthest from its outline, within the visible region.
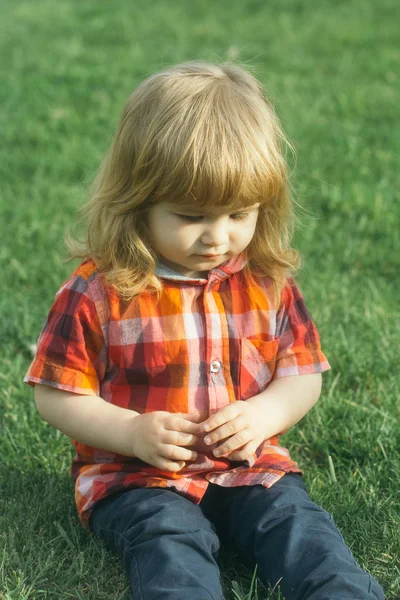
(208, 342)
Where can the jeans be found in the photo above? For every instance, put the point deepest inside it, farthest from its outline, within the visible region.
(169, 545)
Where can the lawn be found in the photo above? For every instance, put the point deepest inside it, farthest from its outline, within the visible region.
(331, 69)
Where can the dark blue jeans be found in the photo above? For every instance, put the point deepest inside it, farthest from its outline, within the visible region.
(169, 546)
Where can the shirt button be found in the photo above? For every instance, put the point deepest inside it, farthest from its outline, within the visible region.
(215, 366)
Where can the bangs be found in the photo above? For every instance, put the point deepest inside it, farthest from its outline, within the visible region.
(226, 153)
(224, 181)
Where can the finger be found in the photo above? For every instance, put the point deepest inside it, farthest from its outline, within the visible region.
(177, 453)
(222, 416)
(195, 417)
(226, 430)
(245, 452)
(169, 465)
(234, 443)
(176, 438)
(181, 424)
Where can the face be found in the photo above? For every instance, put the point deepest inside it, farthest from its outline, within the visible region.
(194, 241)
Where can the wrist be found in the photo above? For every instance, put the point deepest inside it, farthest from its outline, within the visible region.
(269, 414)
(129, 435)
(285, 401)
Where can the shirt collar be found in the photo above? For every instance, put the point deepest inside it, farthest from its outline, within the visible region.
(223, 271)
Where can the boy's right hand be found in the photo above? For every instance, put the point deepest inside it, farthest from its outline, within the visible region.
(161, 439)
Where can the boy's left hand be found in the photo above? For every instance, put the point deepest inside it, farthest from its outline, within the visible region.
(241, 427)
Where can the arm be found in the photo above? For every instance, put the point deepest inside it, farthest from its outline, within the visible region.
(87, 419)
(286, 401)
(156, 438)
(243, 425)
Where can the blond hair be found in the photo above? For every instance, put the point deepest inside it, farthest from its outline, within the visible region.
(201, 132)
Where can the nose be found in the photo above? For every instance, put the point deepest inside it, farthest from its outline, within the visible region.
(215, 233)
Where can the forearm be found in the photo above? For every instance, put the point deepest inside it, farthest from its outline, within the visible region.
(87, 419)
(286, 401)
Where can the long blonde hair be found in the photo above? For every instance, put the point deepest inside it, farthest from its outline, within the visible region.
(198, 131)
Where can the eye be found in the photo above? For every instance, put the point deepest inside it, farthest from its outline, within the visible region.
(189, 218)
(239, 216)
(195, 219)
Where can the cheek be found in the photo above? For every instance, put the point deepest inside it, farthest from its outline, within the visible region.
(152, 224)
(182, 237)
(252, 228)
(247, 231)
(173, 238)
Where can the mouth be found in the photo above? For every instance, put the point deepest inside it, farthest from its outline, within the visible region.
(210, 255)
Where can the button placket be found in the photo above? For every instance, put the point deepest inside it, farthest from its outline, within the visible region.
(214, 352)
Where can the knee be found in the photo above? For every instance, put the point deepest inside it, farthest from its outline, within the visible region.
(299, 518)
(170, 513)
(161, 514)
(292, 504)
(288, 520)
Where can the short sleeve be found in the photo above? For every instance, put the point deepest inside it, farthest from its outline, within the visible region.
(69, 353)
(299, 347)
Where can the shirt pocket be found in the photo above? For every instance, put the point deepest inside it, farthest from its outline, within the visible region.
(158, 379)
(257, 366)
(170, 371)
(169, 374)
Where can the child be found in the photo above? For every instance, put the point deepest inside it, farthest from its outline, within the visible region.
(181, 347)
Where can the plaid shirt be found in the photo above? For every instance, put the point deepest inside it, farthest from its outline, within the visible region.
(207, 343)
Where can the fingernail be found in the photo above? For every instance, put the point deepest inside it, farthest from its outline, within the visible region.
(206, 428)
(207, 440)
(216, 453)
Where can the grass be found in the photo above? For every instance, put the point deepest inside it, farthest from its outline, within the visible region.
(66, 69)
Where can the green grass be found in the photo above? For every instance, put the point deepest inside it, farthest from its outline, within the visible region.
(332, 70)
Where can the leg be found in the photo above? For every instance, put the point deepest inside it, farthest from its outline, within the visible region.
(168, 547)
(295, 542)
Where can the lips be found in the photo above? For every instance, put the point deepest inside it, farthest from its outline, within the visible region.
(210, 255)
